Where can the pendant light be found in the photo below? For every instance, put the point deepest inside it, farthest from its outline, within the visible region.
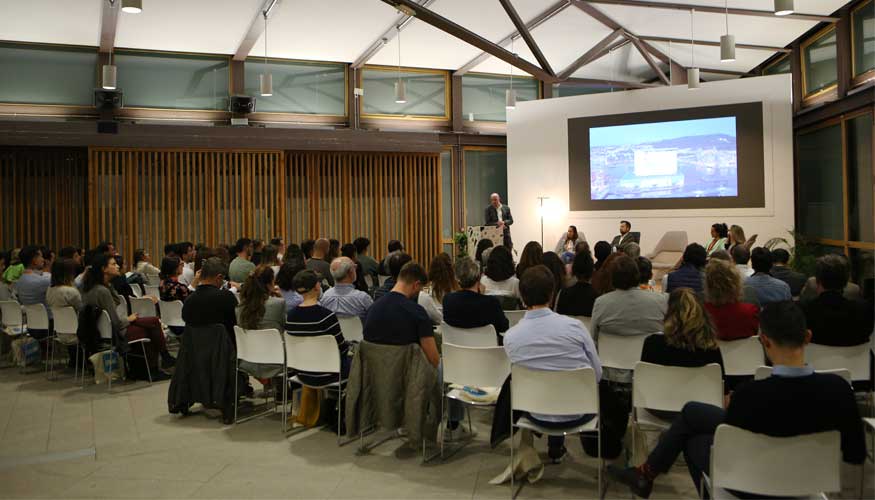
(727, 41)
(692, 71)
(265, 79)
(510, 94)
(132, 6)
(784, 7)
(109, 71)
(400, 91)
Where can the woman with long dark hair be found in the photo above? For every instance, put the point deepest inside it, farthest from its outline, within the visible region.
(568, 241)
(499, 278)
(531, 257)
(261, 307)
(292, 265)
(170, 288)
(557, 267)
(719, 237)
(441, 281)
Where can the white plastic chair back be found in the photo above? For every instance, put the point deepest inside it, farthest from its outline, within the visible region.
(483, 336)
(37, 317)
(766, 372)
(620, 351)
(66, 321)
(104, 326)
(171, 313)
(669, 388)
(152, 291)
(352, 328)
(778, 466)
(587, 322)
(312, 354)
(475, 366)
(143, 307)
(382, 278)
(259, 346)
(10, 314)
(369, 281)
(121, 310)
(566, 392)
(853, 358)
(742, 356)
(138, 291)
(514, 317)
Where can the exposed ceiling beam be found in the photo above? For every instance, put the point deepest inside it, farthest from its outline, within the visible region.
(650, 62)
(590, 55)
(718, 71)
(589, 82)
(109, 13)
(504, 42)
(401, 22)
(686, 41)
(256, 29)
(527, 36)
(714, 9)
(449, 27)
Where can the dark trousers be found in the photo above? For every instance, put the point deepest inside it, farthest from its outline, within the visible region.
(555, 443)
(692, 434)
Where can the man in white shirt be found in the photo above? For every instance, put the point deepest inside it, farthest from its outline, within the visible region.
(624, 238)
(187, 253)
(741, 256)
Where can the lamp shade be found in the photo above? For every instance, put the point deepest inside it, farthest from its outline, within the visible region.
(266, 83)
(692, 78)
(784, 7)
(727, 48)
(108, 81)
(132, 6)
(510, 99)
(400, 92)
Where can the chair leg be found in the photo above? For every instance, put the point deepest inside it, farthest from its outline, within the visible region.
(236, 389)
(146, 362)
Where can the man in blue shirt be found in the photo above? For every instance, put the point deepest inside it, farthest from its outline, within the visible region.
(768, 289)
(343, 299)
(544, 340)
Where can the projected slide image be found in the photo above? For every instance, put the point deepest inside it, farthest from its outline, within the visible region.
(674, 159)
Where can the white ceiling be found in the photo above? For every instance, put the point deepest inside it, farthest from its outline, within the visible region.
(340, 30)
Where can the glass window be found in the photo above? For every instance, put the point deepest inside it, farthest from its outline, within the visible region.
(299, 87)
(447, 195)
(819, 196)
(426, 93)
(485, 173)
(483, 96)
(862, 215)
(570, 90)
(863, 270)
(863, 41)
(779, 67)
(40, 74)
(819, 63)
(173, 81)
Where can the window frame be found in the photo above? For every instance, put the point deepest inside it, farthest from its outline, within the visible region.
(858, 78)
(388, 69)
(257, 114)
(778, 60)
(808, 97)
(491, 123)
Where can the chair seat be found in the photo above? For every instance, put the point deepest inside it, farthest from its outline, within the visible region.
(644, 417)
(325, 386)
(458, 395)
(139, 341)
(68, 341)
(718, 493)
(525, 423)
(14, 331)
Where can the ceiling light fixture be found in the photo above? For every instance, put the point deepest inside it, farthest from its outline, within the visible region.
(784, 7)
(400, 91)
(265, 79)
(132, 6)
(692, 71)
(510, 94)
(727, 41)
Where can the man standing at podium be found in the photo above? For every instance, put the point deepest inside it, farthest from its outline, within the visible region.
(499, 215)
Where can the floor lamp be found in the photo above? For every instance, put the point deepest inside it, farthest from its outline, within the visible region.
(541, 211)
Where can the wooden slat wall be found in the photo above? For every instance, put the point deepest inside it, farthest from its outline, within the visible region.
(42, 193)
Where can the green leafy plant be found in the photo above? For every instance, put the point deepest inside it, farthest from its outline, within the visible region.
(461, 241)
(803, 251)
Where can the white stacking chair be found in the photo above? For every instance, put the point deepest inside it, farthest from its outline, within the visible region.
(766, 372)
(138, 291)
(264, 347)
(143, 307)
(317, 355)
(620, 351)
(37, 319)
(804, 466)
(742, 357)
(121, 310)
(483, 336)
(151, 291)
(352, 328)
(566, 392)
(587, 322)
(104, 327)
(171, 314)
(66, 324)
(514, 317)
(854, 358)
(482, 367)
(12, 319)
(382, 278)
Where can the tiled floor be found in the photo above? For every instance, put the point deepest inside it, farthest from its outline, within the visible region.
(60, 441)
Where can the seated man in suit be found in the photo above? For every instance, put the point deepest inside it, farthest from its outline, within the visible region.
(624, 238)
(792, 402)
(780, 269)
(835, 320)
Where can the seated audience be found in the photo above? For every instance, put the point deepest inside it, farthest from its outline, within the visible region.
(568, 241)
(531, 257)
(370, 266)
(741, 256)
(689, 339)
(631, 249)
(394, 246)
(187, 254)
(15, 268)
(557, 268)
(143, 265)
(260, 308)
(481, 254)
(748, 294)
(441, 281)
(498, 278)
(280, 245)
(62, 292)
(257, 250)
(396, 262)
(319, 263)
(242, 265)
(31, 286)
(833, 319)
(468, 307)
(768, 289)
(209, 304)
(645, 273)
(582, 246)
(719, 238)
(343, 299)
(782, 271)
(578, 299)
(48, 259)
(792, 402)
(170, 288)
(120, 282)
(333, 250)
(270, 258)
(601, 278)
(809, 292)
(732, 319)
(307, 248)
(601, 252)
(545, 340)
(284, 281)
(310, 319)
(736, 238)
(689, 274)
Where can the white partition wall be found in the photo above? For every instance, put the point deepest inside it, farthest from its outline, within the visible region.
(537, 163)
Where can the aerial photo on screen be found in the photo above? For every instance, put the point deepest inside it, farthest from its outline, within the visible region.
(675, 159)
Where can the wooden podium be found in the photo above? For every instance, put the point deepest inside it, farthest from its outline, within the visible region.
(477, 233)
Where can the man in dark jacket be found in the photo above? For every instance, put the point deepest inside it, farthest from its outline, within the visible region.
(833, 319)
(209, 304)
(782, 271)
(499, 215)
(469, 308)
(690, 273)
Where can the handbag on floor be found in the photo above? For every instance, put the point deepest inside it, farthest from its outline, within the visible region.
(26, 351)
(107, 364)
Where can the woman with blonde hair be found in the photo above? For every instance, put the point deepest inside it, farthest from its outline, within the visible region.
(689, 339)
(732, 318)
(736, 237)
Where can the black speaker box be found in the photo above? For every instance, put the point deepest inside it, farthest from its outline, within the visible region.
(107, 100)
(242, 104)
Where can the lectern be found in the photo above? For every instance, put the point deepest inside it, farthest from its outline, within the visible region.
(477, 233)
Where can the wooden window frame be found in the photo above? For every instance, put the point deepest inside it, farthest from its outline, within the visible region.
(858, 79)
(288, 116)
(427, 118)
(829, 92)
